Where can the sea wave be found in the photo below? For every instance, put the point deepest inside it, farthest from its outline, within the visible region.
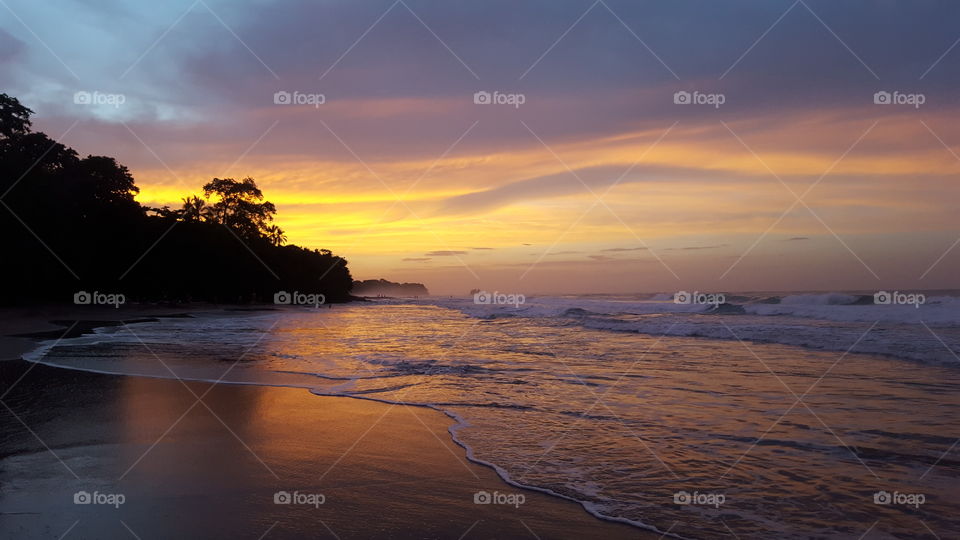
(515, 386)
(925, 332)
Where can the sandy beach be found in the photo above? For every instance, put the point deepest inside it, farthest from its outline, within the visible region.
(158, 462)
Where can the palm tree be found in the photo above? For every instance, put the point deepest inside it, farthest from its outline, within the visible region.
(275, 235)
(195, 209)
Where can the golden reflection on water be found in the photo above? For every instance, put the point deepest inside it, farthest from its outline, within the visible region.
(188, 438)
(617, 419)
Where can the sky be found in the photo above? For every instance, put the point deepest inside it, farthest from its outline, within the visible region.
(538, 146)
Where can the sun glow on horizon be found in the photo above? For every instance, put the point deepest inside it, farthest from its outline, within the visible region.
(399, 163)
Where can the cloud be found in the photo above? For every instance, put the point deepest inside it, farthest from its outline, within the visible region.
(601, 258)
(483, 248)
(415, 259)
(541, 187)
(403, 54)
(796, 238)
(202, 98)
(10, 47)
(696, 248)
(616, 250)
(582, 263)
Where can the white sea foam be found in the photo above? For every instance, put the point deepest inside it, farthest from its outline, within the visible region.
(927, 332)
(826, 299)
(515, 382)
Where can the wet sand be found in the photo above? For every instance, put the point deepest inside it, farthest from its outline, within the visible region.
(21, 327)
(212, 468)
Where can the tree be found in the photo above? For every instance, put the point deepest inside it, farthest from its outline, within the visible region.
(14, 117)
(97, 189)
(72, 224)
(196, 209)
(239, 206)
(36, 154)
(275, 235)
(107, 180)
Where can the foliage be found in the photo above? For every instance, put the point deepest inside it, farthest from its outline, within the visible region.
(14, 117)
(72, 224)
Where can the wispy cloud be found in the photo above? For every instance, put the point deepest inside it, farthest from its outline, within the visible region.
(200, 99)
(696, 248)
(620, 249)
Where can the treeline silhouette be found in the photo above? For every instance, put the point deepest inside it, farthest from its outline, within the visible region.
(72, 224)
(382, 287)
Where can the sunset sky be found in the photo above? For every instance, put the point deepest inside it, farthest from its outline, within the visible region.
(597, 182)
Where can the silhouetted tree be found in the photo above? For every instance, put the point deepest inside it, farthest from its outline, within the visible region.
(14, 117)
(74, 224)
(239, 206)
(276, 235)
(195, 209)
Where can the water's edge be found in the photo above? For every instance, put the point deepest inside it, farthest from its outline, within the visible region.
(459, 423)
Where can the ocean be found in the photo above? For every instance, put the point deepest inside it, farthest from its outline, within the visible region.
(800, 415)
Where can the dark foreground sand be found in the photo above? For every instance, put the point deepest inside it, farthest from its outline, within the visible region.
(211, 469)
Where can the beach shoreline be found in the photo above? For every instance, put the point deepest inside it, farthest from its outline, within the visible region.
(147, 438)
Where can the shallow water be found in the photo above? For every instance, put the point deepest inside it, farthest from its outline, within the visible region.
(767, 439)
